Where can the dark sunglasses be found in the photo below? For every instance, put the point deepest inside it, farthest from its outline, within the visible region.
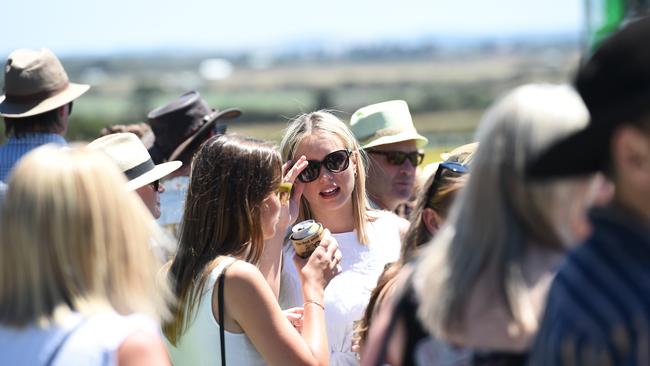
(335, 162)
(155, 185)
(456, 168)
(398, 157)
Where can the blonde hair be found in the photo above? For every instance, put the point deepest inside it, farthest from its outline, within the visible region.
(323, 121)
(74, 238)
(499, 214)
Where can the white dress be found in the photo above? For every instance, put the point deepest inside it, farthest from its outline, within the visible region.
(347, 295)
(93, 341)
(200, 344)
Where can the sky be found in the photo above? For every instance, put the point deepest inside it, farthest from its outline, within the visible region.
(87, 27)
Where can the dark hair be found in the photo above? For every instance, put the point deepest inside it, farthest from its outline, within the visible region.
(43, 122)
(440, 202)
(231, 177)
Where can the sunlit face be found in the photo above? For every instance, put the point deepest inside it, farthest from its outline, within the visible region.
(330, 192)
(389, 185)
(270, 215)
(151, 197)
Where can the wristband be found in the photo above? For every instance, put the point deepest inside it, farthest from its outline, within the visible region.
(315, 303)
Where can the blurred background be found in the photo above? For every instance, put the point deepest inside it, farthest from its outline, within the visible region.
(449, 59)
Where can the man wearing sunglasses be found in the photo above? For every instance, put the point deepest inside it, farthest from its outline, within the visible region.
(180, 127)
(386, 133)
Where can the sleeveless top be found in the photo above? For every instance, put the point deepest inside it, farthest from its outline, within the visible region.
(91, 341)
(420, 348)
(199, 345)
(347, 295)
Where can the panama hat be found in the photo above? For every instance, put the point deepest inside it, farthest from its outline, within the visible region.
(385, 123)
(35, 82)
(183, 123)
(615, 86)
(133, 159)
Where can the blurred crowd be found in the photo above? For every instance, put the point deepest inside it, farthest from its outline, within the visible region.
(176, 242)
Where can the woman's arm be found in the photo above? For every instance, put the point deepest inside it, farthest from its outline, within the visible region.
(270, 264)
(251, 303)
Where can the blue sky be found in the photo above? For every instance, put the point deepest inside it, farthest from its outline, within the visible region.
(103, 27)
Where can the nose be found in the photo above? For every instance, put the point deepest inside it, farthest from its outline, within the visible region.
(325, 173)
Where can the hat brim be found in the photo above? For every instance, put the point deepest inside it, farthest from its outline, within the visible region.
(420, 140)
(16, 110)
(158, 172)
(581, 153)
(229, 113)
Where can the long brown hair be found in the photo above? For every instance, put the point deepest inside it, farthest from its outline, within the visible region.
(231, 176)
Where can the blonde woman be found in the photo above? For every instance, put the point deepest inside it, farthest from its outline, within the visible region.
(334, 194)
(480, 287)
(78, 278)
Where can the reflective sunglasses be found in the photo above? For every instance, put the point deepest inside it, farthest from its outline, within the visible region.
(398, 157)
(335, 162)
(284, 192)
(155, 185)
(456, 168)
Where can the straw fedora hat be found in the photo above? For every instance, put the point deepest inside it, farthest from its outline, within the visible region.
(35, 83)
(130, 155)
(183, 123)
(385, 123)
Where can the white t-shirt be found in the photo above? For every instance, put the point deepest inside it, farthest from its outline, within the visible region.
(94, 341)
(347, 295)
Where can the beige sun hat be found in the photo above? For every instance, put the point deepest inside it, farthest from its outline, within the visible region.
(133, 159)
(385, 123)
(35, 82)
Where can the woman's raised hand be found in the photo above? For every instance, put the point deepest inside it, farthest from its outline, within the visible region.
(323, 264)
(290, 172)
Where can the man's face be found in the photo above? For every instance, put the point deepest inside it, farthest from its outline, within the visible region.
(150, 195)
(389, 184)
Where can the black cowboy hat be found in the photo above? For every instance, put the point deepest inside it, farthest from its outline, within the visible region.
(615, 86)
(184, 122)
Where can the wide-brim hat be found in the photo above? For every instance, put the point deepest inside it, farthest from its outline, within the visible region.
(133, 159)
(184, 123)
(35, 82)
(615, 86)
(385, 123)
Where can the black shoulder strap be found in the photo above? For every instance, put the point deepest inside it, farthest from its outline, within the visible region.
(222, 336)
(65, 338)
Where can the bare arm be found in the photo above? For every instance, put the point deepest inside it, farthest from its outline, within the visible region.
(270, 264)
(252, 304)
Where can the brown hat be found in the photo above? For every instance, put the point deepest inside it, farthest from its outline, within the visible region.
(35, 82)
(184, 122)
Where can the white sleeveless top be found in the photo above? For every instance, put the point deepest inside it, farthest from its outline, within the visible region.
(93, 341)
(200, 344)
(347, 294)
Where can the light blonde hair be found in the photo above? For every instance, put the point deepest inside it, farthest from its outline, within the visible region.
(499, 214)
(73, 238)
(323, 121)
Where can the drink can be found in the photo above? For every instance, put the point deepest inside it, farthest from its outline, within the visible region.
(305, 237)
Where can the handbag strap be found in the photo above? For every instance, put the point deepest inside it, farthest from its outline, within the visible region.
(62, 342)
(222, 335)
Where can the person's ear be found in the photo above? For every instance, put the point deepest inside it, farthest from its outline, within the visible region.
(631, 153)
(431, 220)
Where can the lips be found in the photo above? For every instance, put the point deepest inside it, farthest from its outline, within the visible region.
(330, 192)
